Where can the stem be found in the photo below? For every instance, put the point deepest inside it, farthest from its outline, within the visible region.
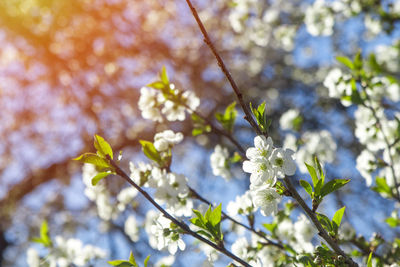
(317, 224)
(258, 233)
(219, 131)
(182, 225)
(248, 116)
(387, 143)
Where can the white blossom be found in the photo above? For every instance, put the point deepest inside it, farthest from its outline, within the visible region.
(316, 143)
(125, 196)
(242, 205)
(219, 164)
(338, 85)
(166, 237)
(287, 119)
(283, 162)
(305, 230)
(149, 104)
(267, 200)
(32, 258)
(319, 19)
(366, 165)
(131, 228)
(166, 139)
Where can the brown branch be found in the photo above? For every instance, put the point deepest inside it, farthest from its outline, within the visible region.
(258, 233)
(248, 116)
(317, 224)
(182, 225)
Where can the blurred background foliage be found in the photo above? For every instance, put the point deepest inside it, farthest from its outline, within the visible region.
(70, 69)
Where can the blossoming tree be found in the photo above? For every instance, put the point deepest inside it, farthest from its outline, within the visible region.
(295, 160)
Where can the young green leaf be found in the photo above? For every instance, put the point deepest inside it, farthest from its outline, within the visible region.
(382, 186)
(132, 258)
(261, 116)
(157, 85)
(150, 151)
(392, 222)
(337, 218)
(306, 185)
(358, 64)
(369, 262)
(325, 222)
(164, 76)
(215, 216)
(94, 159)
(99, 177)
(346, 61)
(319, 169)
(313, 174)
(332, 186)
(102, 146)
(122, 263)
(227, 119)
(235, 158)
(146, 261)
(44, 234)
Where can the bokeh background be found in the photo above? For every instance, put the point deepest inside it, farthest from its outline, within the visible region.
(70, 69)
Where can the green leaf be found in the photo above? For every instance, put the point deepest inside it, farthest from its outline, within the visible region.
(337, 218)
(235, 158)
(261, 108)
(197, 131)
(99, 176)
(374, 64)
(94, 159)
(325, 222)
(356, 97)
(164, 76)
(157, 85)
(319, 169)
(44, 234)
(270, 226)
(121, 263)
(332, 186)
(313, 174)
(358, 61)
(306, 187)
(392, 222)
(150, 151)
(146, 261)
(369, 262)
(261, 116)
(102, 146)
(382, 186)
(132, 259)
(208, 213)
(346, 61)
(215, 216)
(227, 119)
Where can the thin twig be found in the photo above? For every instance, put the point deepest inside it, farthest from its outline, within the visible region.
(258, 233)
(182, 225)
(220, 131)
(386, 140)
(317, 224)
(248, 116)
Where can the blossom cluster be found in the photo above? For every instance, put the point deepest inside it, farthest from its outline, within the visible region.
(267, 163)
(66, 252)
(173, 104)
(220, 162)
(298, 235)
(374, 128)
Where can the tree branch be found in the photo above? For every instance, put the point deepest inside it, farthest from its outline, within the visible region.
(317, 224)
(248, 116)
(182, 225)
